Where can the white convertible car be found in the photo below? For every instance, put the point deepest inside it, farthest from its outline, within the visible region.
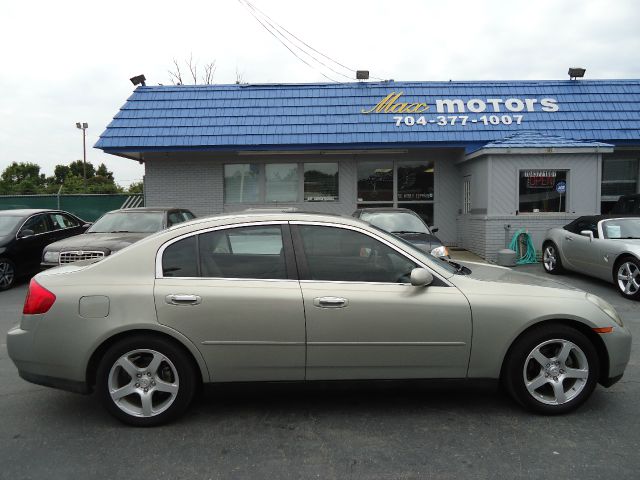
(600, 246)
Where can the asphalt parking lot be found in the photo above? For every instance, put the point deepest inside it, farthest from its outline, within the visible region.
(444, 430)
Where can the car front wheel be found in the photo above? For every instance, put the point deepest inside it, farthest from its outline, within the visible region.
(551, 258)
(551, 369)
(627, 277)
(145, 381)
(7, 274)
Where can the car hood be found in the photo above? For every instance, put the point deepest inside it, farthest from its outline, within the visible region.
(97, 241)
(424, 241)
(485, 278)
(5, 239)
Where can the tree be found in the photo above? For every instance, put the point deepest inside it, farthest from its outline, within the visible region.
(136, 187)
(22, 178)
(77, 169)
(206, 74)
(103, 172)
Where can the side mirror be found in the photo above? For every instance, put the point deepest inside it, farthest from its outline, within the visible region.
(421, 277)
(587, 233)
(87, 225)
(434, 229)
(26, 233)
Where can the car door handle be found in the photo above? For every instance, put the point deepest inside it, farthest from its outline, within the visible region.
(330, 302)
(183, 299)
(569, 239)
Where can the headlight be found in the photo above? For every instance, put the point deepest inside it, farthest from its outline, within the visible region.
(51, 257)
(606, 307)
(440, 251)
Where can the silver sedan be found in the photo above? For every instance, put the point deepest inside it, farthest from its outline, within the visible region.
(599, 246)
(304, 297)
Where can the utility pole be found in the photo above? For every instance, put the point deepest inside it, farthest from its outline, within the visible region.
(83, 126)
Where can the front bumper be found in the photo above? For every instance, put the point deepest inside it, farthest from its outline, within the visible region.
(618, 344)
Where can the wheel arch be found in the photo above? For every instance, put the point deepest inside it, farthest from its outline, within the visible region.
(619, 258)
(190, 351)
(601, 349)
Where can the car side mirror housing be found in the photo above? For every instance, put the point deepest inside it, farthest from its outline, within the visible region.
(26, 233)
(87, 225)
(434, 229)
(421, 277)
(587, 233)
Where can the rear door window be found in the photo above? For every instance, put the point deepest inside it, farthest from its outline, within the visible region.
(244, 252)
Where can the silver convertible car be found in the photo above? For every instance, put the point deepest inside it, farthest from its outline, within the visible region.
(304, 297)
(600, 246)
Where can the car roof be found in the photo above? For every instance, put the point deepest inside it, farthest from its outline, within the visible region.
(25, 212)
(244, 216)
(147, 209)
(386, 210)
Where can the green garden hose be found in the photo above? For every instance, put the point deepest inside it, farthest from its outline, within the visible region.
(522, 244)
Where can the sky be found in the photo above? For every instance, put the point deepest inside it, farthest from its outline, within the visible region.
(70, 61)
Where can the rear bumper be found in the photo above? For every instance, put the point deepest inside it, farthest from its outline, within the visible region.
(59, 383)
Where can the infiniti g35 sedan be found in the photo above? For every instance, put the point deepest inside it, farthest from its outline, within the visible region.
(304, 297)
(600, 246)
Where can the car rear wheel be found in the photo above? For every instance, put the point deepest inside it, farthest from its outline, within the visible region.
(552, 369)
(7, 274)
(627, 277)
(551, 258)
(146, 381)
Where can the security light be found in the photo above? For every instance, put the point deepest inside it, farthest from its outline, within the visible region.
(362, 75)
(576, 72)
(139, 80)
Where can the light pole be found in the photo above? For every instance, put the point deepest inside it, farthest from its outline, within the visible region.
(83, 126)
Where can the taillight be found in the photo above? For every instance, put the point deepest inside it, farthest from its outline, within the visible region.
(39, 299)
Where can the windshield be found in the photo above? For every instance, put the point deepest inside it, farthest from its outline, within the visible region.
(8, 223)
(621, 228)
(135, 222)
(396, 222)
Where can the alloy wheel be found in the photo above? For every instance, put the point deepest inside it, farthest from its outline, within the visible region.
(629, 278)
(549, 258)
(7, 274)
(143, 383)
(555, 372)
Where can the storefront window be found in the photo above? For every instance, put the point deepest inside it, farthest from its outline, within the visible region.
(619, 177)
(281, 182)
(375, 181)
(415, 181)
(241, 183)
(320, 182)
(543, 191)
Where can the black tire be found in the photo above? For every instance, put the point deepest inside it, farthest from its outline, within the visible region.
(174, 370)
(626, 277)
(551, 258)
(7, 274)
(576, 376)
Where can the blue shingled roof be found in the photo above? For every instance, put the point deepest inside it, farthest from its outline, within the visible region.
(538, 140)
(255, 117)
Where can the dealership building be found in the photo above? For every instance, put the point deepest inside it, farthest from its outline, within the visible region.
(478, 160)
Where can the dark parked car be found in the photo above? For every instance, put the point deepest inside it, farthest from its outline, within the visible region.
(23, 236)
(112, 232)
(405, 224)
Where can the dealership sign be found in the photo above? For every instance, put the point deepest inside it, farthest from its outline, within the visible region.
(452, 111)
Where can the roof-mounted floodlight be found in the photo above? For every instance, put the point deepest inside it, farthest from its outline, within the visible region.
(139, 80)
(362, 75)
(575, 72)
